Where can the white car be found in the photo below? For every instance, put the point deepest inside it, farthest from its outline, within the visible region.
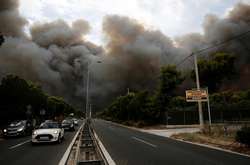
(48, 132)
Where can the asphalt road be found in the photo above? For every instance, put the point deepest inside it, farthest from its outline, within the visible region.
(131, 147)
(19, 151)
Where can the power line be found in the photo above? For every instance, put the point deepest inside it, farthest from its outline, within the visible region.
(213, 46)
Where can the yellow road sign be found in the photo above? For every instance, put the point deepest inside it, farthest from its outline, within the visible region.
(196, 95)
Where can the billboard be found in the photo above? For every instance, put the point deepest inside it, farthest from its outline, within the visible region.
(196, 95)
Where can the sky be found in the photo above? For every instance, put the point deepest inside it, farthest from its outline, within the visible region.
(172, 17)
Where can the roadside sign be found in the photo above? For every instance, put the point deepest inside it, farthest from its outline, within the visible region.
(196, 95)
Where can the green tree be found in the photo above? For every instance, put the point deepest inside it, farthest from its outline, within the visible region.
(16, 94)
(212, 71)
(133, 108)
(170, 78)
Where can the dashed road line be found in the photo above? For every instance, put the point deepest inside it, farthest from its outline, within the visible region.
(19, 144)
(145, 142)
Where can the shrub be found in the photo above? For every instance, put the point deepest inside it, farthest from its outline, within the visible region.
(243, 136)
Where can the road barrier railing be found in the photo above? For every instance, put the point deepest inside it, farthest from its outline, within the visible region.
(85, 149)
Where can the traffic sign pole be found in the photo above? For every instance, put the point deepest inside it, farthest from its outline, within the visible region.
(208, 108)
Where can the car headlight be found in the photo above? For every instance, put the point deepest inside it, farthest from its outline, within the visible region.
(56, 132)
(34, 132)
(20, 129)
(5, 130)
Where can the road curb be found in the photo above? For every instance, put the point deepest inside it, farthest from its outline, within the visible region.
(67, 152)
(211, 147)
(104, 151)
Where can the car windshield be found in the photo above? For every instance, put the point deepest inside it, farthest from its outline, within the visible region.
(49, 125)
(16, 123)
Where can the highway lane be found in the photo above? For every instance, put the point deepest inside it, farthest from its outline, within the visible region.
(19, 151)
(131, 147)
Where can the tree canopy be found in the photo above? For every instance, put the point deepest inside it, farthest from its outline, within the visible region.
(16, 94)
(170, 78)
(215, 69)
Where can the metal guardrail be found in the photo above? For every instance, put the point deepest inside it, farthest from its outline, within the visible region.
(85, 149)
(65, 158)
(98, 148)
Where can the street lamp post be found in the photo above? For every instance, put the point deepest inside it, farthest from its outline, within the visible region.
(87, 90)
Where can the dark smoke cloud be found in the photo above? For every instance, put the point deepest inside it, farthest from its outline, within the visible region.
(55, 57)
(57, 54)
(216, 30)
(138, 52)
(11, 22)
(59, 33)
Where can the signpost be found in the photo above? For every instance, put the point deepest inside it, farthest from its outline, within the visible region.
(199, 95)
(196, 95)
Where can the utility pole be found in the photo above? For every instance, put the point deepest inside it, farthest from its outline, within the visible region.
(198, 88)
(87, 93)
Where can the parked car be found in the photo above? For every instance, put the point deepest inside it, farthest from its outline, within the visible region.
(48, 132)
(68, 124)
(18, 128)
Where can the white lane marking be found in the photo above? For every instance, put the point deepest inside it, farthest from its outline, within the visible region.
(145, 142)
(67, 152)
(104, 151)
(18, 145)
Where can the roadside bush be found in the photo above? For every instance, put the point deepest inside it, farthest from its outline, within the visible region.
(243, 136)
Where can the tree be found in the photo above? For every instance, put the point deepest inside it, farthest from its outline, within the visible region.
(133, 108)
(213, 71)
(170, 78)
(16, 94)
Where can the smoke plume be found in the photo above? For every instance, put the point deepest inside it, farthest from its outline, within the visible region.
(57, 55)
(11, 22)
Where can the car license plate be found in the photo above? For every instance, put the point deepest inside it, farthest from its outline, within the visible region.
(44, 138)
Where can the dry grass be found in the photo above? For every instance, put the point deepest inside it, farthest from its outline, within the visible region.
(217, 137)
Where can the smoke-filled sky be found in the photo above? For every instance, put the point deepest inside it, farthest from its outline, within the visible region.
(172, 17)
(53, 42)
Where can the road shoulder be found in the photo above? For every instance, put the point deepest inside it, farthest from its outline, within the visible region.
(168, 133)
